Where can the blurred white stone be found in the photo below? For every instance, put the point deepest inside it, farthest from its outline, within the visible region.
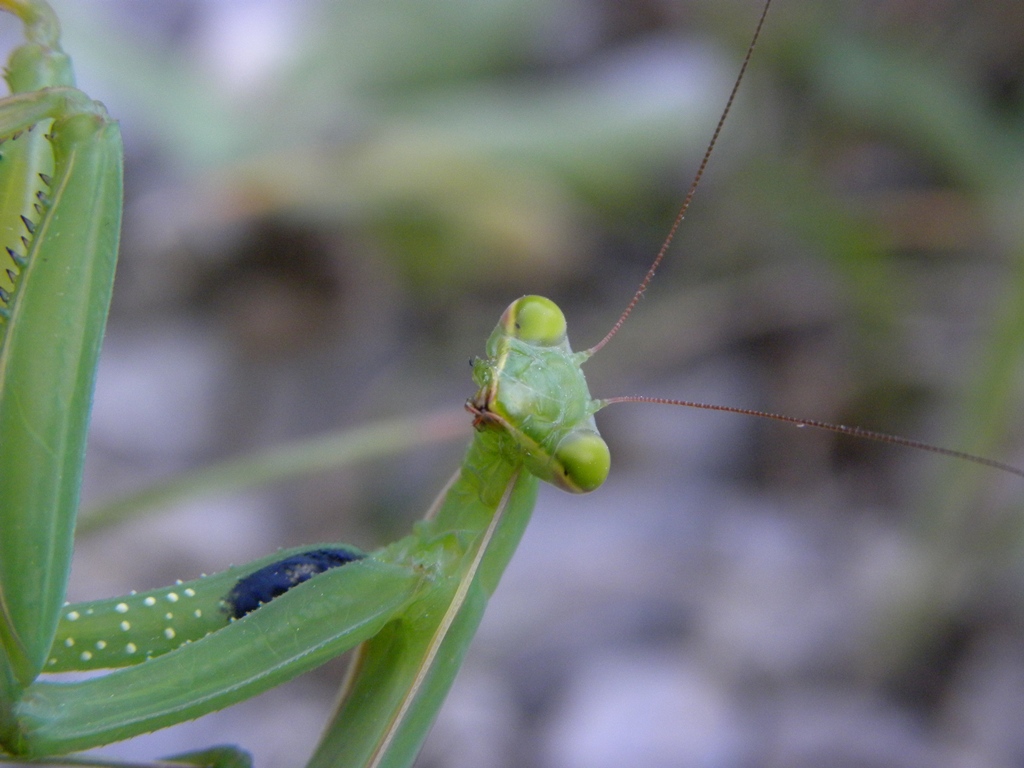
(654, 710)
(477, 724)
(247, 42)
(844, 728)
(156, 391)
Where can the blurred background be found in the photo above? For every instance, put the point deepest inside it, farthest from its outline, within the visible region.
(328, 205)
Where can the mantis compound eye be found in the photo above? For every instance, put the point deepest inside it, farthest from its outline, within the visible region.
(583, 461)
(536, 320)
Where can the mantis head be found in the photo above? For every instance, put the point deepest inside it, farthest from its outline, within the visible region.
(533, 393)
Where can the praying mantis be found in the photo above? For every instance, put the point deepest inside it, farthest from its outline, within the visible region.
(269, 614)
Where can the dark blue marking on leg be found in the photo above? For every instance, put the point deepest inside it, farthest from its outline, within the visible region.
(274, 580)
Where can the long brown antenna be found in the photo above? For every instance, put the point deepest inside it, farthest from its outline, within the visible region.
(689, 195)
(842, 429)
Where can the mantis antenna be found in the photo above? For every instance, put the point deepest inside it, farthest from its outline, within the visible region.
(842, 429)
(667, 242)
(859, 432)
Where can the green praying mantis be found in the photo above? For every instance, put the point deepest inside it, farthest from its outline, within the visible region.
(197, 646)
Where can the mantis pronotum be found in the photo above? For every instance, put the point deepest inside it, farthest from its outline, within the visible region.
(378, 581)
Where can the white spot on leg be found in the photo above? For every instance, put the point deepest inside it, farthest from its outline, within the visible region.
(69, 642)
(131, 648)
(121, 607)
(86, 656)
(169, 633)
(172, 597)
(197, 613)
(149, 601)
(189, 592)
(125, 626)
(101, 644)
(73, 616)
